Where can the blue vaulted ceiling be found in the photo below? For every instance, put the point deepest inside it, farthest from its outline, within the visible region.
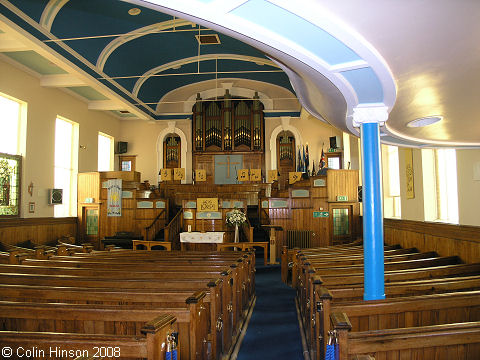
(131, 54)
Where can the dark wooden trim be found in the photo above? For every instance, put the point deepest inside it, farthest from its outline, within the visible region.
(452, 231)
(12, 222)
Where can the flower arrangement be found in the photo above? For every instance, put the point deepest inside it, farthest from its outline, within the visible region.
(236, 217)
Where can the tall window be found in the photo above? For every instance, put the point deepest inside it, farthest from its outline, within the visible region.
(66, 166)
(391, 182)
(13, 121)
(12, 145)
(440, 185)
(105, 152)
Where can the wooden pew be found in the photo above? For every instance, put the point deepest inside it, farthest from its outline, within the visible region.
(408, 311)
(123, 266)
(107, 320)
(344, 279)
(151, 345)
(194, 308)
(447, 341)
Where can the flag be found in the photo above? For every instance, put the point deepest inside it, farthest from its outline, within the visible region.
(313, 168)
(321, 164)
(299, 160)
(307, 159)
(303, 160)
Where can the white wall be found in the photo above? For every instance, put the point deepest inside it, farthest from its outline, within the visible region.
(43, 106)
(142, 137)
(313, 131)
(468, 187)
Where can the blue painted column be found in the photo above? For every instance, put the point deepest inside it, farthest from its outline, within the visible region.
(374, 281)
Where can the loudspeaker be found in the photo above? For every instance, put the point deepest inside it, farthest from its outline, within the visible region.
(360, 193)
(122, 147)
(334, 142)
(55, 196)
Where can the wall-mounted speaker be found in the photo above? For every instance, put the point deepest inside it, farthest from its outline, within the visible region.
(335, 142)
(55, 196)
(122, 147)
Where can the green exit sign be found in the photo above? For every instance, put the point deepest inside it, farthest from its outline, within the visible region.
(342, 198)
(320, 214)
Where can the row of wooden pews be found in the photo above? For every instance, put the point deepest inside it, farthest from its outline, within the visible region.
(431, 310)
(134, 303)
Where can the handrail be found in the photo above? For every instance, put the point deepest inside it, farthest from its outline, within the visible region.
(153, 228)
(174, 228)
(247, 230)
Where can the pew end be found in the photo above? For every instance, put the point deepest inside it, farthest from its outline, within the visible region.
(162, 336)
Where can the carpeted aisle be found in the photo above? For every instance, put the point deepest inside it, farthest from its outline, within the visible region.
(273, 331)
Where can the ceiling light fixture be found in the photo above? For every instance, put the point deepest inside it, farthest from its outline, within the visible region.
(134, 11)
(425, 121)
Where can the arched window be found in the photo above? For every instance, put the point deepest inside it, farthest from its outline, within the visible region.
(171, 152)
(285, 156)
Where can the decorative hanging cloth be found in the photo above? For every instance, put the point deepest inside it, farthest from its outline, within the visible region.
(114, 197)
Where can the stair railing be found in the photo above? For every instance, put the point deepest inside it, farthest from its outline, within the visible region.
(152, 230)
(247, 230)
(174, 228)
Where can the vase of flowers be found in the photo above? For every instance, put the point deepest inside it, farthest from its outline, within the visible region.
(236, 218)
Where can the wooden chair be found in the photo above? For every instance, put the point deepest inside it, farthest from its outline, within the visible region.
(244, 246)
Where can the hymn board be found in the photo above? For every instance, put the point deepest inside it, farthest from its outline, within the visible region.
(228, 135)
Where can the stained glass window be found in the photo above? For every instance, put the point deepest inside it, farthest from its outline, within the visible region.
(10, 167)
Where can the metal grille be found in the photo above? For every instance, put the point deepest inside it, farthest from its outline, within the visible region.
(299, 239)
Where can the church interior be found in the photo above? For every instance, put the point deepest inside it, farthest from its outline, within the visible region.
(208, 179)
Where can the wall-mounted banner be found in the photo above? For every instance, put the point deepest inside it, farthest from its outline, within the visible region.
(178, 174)
(114, 197)
(200, 175)
(255, 174)
(294, 176)
(409, 173)
(272, 175)
(166, 174)
(207, 204)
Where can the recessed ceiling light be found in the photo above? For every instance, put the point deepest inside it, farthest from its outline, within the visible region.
(425, 121)
(134, 11)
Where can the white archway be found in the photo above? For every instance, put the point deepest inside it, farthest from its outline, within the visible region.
(285, 126)
(171, 129)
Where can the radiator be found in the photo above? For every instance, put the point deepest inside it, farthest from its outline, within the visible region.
(299, 239)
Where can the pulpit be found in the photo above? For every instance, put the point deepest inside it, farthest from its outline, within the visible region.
(273, 245)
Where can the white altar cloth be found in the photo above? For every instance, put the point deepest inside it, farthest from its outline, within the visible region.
(210, 237)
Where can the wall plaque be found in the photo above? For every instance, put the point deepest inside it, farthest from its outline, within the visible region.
(207, 204)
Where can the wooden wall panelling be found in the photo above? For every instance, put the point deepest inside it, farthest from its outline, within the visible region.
(88, 186)
(39, 231)
(342, 182)
(206, 162)
(445, 239)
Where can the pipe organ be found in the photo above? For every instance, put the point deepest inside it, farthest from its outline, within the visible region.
(228, 124)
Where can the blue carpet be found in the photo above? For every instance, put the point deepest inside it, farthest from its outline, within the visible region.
(273, 331)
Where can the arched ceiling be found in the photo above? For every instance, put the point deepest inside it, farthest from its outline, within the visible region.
(414, 60)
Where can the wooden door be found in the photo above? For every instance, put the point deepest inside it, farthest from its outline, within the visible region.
(341, 223)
